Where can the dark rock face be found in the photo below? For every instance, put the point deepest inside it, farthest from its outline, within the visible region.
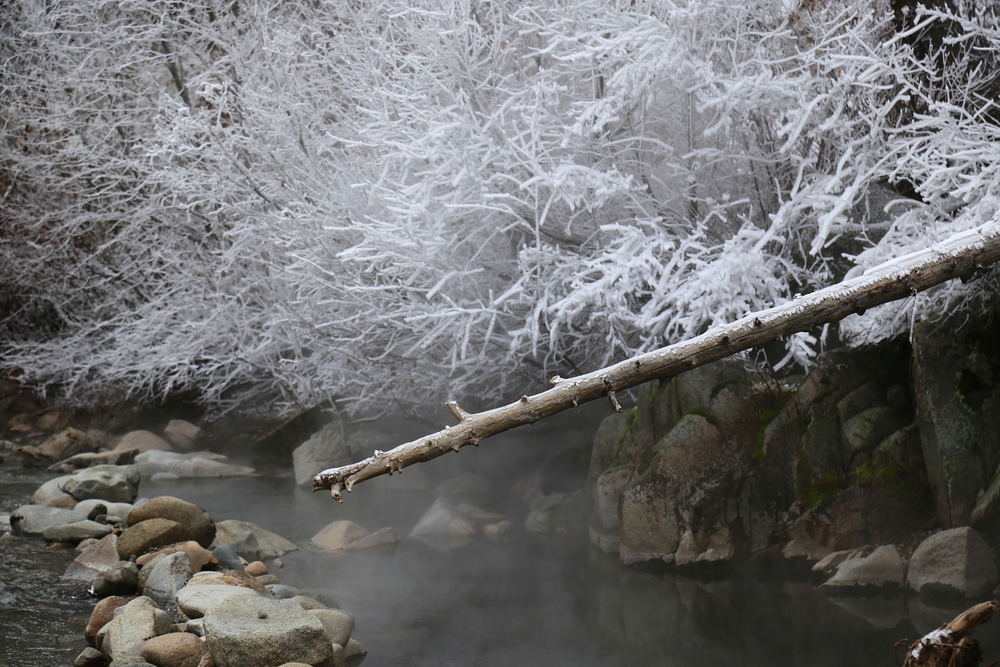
(683, 508)
(956, 375)
(327, 448)
(744, 464)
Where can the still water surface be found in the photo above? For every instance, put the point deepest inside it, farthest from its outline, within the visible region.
(534, 600)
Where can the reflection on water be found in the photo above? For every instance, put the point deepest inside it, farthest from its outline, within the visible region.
(547, 600)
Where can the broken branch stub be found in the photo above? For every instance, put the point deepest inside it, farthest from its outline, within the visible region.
(959, 256)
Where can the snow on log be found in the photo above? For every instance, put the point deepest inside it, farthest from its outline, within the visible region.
(958, 257)
(950, 645)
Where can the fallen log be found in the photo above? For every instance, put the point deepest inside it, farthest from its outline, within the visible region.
(958, 257)
(950, 645)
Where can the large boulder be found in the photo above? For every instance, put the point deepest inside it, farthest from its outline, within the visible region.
(150, 534)
(119, 484)
(327, 448)
(177, 649)
(50, 491)
(238, 535)
(182, 434)
(957, 388)
(682, 510)
(265, 632)
(196, 600)
(442, 524)
(197, 520)
(954, 562)
(60, 446)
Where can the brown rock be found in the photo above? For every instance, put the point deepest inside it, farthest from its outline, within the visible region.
(338, 535)
(150, 534)
(267, 579)
(206, 661)
(52, 421)
(256, 569)
(198, 555)
(181, 434)
(103, 612)
(144, 441)
(63, 445)
(231, 578)
(195, 519)
(90, 657)
(837, 524)
(66, 502)
(178, 649)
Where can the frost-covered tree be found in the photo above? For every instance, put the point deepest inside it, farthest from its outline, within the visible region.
(399, 201)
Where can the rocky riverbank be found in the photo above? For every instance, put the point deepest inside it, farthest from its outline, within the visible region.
(174, 588)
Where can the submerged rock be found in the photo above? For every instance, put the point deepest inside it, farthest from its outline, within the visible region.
(238, 533)
(192, 464)
(339, 535)
(441, 525)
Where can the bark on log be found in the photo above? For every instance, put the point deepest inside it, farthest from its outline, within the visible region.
(958, 257)
(950, 645)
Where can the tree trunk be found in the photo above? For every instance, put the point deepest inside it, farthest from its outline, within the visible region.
(958, 257)
(950, 645)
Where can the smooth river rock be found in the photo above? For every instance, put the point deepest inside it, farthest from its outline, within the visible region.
(194, 601)
(151, 534)
(177, 649)
(118, 484)
(194, 518)
(76, 532)
(138, 621)
(954, 562)
(264, 632)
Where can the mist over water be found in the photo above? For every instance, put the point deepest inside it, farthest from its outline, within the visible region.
(535, 599)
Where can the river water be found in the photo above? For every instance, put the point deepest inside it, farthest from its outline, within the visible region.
(534, 600)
